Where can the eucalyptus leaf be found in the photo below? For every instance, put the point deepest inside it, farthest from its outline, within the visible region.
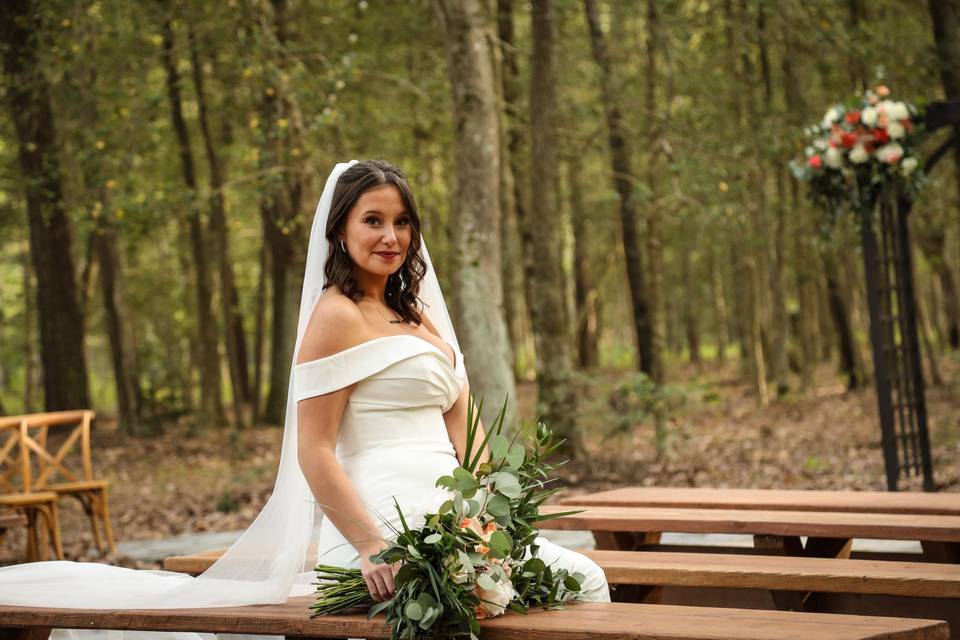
(413, 610)
(486, 582)
(499, 445)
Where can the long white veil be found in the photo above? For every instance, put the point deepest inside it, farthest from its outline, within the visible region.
(273, 559)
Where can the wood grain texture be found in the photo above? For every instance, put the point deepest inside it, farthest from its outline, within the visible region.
(903, 502)
(580, 620)
(824, 524)
(11, 520)
(655, 568)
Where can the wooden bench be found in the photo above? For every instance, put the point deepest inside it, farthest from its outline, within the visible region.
(655, 568)
(775, 500)
(829, 533)
(580, 620)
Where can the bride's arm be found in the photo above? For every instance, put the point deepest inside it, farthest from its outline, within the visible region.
(318, 423)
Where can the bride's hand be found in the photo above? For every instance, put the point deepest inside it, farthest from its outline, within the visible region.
(379, 577)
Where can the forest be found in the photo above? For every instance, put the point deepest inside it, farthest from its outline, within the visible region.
(605, 186)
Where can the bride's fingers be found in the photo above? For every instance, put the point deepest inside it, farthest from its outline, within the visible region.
(372, 587)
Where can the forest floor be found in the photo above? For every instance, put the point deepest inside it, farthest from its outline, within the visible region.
(716, 436)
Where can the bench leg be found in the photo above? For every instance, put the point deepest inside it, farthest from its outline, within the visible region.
(784, 546)
(623, 540)
(635, 593)
(948, 552)
(29, 633)
(828, 548)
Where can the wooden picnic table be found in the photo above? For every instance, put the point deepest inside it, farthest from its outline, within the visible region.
(829, 533)
(578, 621)
(775, 500)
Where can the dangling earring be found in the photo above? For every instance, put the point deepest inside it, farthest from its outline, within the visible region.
(343, 246)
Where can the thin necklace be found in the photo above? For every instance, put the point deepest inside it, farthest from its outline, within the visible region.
(377, 308)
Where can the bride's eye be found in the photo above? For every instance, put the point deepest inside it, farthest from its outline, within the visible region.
(371, 220)
(403, 222)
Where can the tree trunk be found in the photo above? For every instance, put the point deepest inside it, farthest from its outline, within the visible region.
(211, 405)
(945, 16)
(478, 288)
(61, 320)
(229, 303)
(586, 295)
(29, 390)
(841, 321)
(512, 183)
(623, 182)
(690, 310)
(718, 296)
(258, 331)
(545, 287)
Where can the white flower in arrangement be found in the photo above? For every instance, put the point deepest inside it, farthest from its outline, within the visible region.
(890, 153)
(495, 600)
(810, 151)
(869, 116)
(833, 158)
(908, 165)
(831, 116)
(859, 154)
(896, 130)
(820, 144)
(898, 111)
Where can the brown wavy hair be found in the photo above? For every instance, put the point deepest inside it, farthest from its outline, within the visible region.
(403, 285)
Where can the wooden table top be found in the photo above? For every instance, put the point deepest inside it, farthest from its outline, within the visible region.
(827, 524)
(579, 620)
(776, 500)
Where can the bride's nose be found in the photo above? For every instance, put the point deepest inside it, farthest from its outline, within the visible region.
(389, 236)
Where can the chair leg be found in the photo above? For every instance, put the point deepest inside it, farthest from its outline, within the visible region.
(90, 507)
(105, 514)
(42, 521)
(32, 546)
(54, 523)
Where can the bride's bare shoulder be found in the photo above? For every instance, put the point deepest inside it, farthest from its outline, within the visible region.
(336, 323)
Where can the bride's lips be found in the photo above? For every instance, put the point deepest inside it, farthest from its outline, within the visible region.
(387, 255)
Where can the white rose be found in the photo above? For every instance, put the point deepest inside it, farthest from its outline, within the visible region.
(868, 116)
(895, 130)
(898, 111)
(833, 158)
(859, 154)
(831, 116)
(890, 153)
(908, 165)
(494, 601)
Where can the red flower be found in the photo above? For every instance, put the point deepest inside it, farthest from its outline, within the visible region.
(848, 140)
(853, 117)
(881, 136)
(907, 124)
(816, 162)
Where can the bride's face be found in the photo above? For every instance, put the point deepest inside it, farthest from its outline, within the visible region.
(378, 231)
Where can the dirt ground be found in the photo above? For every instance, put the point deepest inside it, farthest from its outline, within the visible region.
(716, 435)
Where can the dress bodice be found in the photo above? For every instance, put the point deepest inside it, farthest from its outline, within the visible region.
(403, 386)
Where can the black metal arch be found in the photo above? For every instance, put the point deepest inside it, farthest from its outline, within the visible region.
(898, 374)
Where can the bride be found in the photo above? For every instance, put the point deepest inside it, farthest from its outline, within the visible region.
(376, 411)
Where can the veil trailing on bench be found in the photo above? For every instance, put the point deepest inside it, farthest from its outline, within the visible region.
(272, 560)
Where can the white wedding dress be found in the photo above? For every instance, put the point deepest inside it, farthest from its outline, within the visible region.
(393, 442)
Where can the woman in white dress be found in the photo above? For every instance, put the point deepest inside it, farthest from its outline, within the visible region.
(376, 409)
(395, 418)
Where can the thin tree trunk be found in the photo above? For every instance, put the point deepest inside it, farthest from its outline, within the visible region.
(258, 331)
(229, 303)
(211, 404)
(623, 182)
(478, 287)
(691, 311)
(29, 372)
(546, 288)
(841, 321)
(585, 291)
(654, 173)
(516, 180)
(58, 308)
(718, 297)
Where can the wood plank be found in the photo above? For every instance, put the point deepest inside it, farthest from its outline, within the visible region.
(916, 579)
(903, 502)
(824, 524)
(656, 568)
(579, 620)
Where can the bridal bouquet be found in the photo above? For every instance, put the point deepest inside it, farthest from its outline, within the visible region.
(859, 147)
(473, 556)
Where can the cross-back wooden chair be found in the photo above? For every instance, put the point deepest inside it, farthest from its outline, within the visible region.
(39, 507)
(57, 469)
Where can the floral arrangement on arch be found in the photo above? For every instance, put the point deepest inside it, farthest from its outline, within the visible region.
(859, 148)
